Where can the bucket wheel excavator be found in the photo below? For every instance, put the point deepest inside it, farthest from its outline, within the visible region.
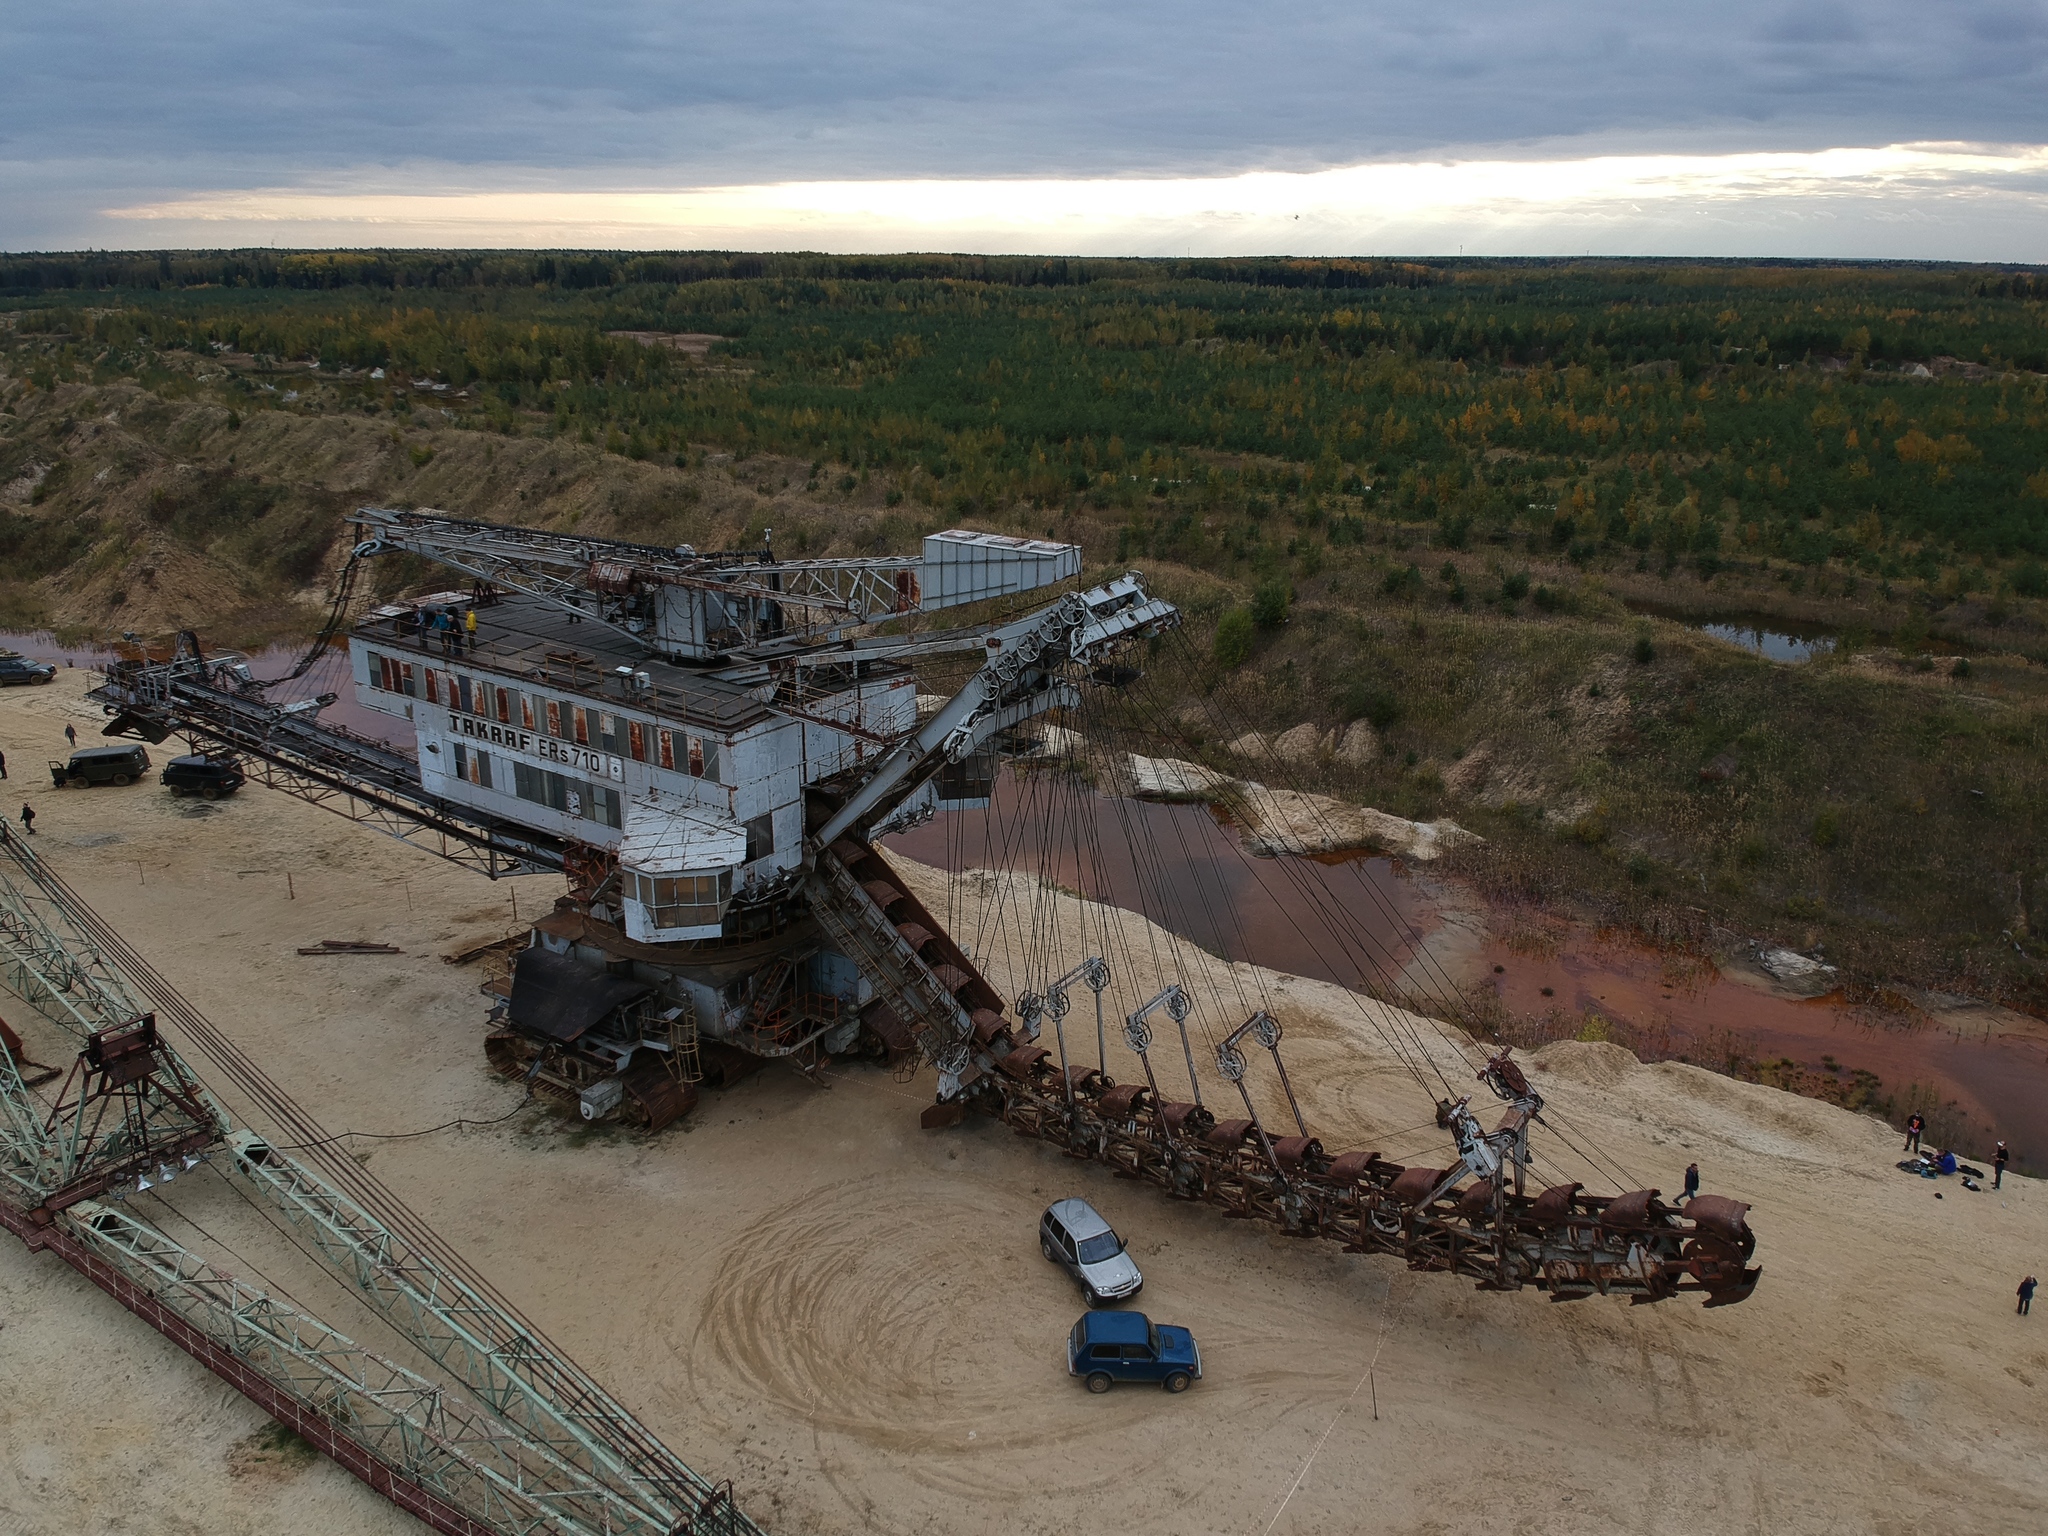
(709, 747)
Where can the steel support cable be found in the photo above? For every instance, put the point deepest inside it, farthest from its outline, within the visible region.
(1593, 1164)
(1150, 929)
(344, 589)
(377, 1201)
(1155, 723)
(1115, 937)
(1196, 880)
(1447, 991)
(1611, 1166)
(1318, 897)
(1153, 887)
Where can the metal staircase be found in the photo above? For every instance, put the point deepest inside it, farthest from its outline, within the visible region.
(865, 934)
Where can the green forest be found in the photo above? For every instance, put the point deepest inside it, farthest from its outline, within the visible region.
(1888, 419)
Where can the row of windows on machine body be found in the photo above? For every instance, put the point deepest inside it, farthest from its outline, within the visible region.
(641, 740)
(558, 791)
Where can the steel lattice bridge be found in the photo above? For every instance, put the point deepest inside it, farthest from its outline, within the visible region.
(486, 1430)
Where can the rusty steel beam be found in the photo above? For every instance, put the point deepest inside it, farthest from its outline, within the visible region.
(322, 1433)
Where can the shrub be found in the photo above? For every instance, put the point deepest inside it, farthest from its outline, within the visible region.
(1549, 599)
(1643, 652)
(1403, 581)
(1827, 827)
(2031, 579)
(1270, 604)
(1235, 633)
(1514, 586)
(1369, 702)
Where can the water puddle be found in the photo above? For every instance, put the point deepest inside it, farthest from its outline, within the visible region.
(1989, 1065)
(1352, 919)
(1775, 644)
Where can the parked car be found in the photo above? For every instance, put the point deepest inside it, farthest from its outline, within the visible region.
(208, 777)
(16, 668)
(121, 764)
(1074, 1236)
(1107, 1347)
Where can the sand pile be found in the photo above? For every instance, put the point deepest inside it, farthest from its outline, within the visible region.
(848, 1316)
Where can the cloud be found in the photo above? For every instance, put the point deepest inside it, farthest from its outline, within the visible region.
(1905, 200)
(177, 95)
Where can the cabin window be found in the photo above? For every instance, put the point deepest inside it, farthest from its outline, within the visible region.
(504, 707)
(526, 711)
(668, 749)
(760, 837)
(409, 680)
(433, 686)
(554, 719)
(463, 692)
(682, 901)
(696, 757)
(611, 734)
(582, 726)
(636, 740)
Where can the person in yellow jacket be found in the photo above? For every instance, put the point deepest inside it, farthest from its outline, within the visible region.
(469, 627)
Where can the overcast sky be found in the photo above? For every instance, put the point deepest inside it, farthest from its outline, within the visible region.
(177, 122)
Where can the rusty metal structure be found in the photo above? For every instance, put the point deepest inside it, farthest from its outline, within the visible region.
(482, 1428)
(1473, 1217)
(710, 748)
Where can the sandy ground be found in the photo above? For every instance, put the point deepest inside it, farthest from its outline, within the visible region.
(849, 1317)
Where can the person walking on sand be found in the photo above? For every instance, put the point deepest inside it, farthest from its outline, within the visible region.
(71, 735)
(1914, 1126)
(28, 818)
(3, 765)
(1692, 1183)
(1998, 1161)
(2027, 1295)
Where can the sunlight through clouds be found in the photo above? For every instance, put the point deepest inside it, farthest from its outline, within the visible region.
(1905, 199)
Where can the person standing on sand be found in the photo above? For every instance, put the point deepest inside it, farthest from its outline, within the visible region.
(1914, 1126)
(1692, 1182)
(2027, 1295)
(1998, 1161)
(3, 765)
(28, 818)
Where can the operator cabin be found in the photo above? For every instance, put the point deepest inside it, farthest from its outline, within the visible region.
(572, 729)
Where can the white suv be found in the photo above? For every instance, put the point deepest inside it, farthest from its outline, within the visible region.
(1074, 1236)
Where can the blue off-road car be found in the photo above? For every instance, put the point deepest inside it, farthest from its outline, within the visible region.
(1108, 1347)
